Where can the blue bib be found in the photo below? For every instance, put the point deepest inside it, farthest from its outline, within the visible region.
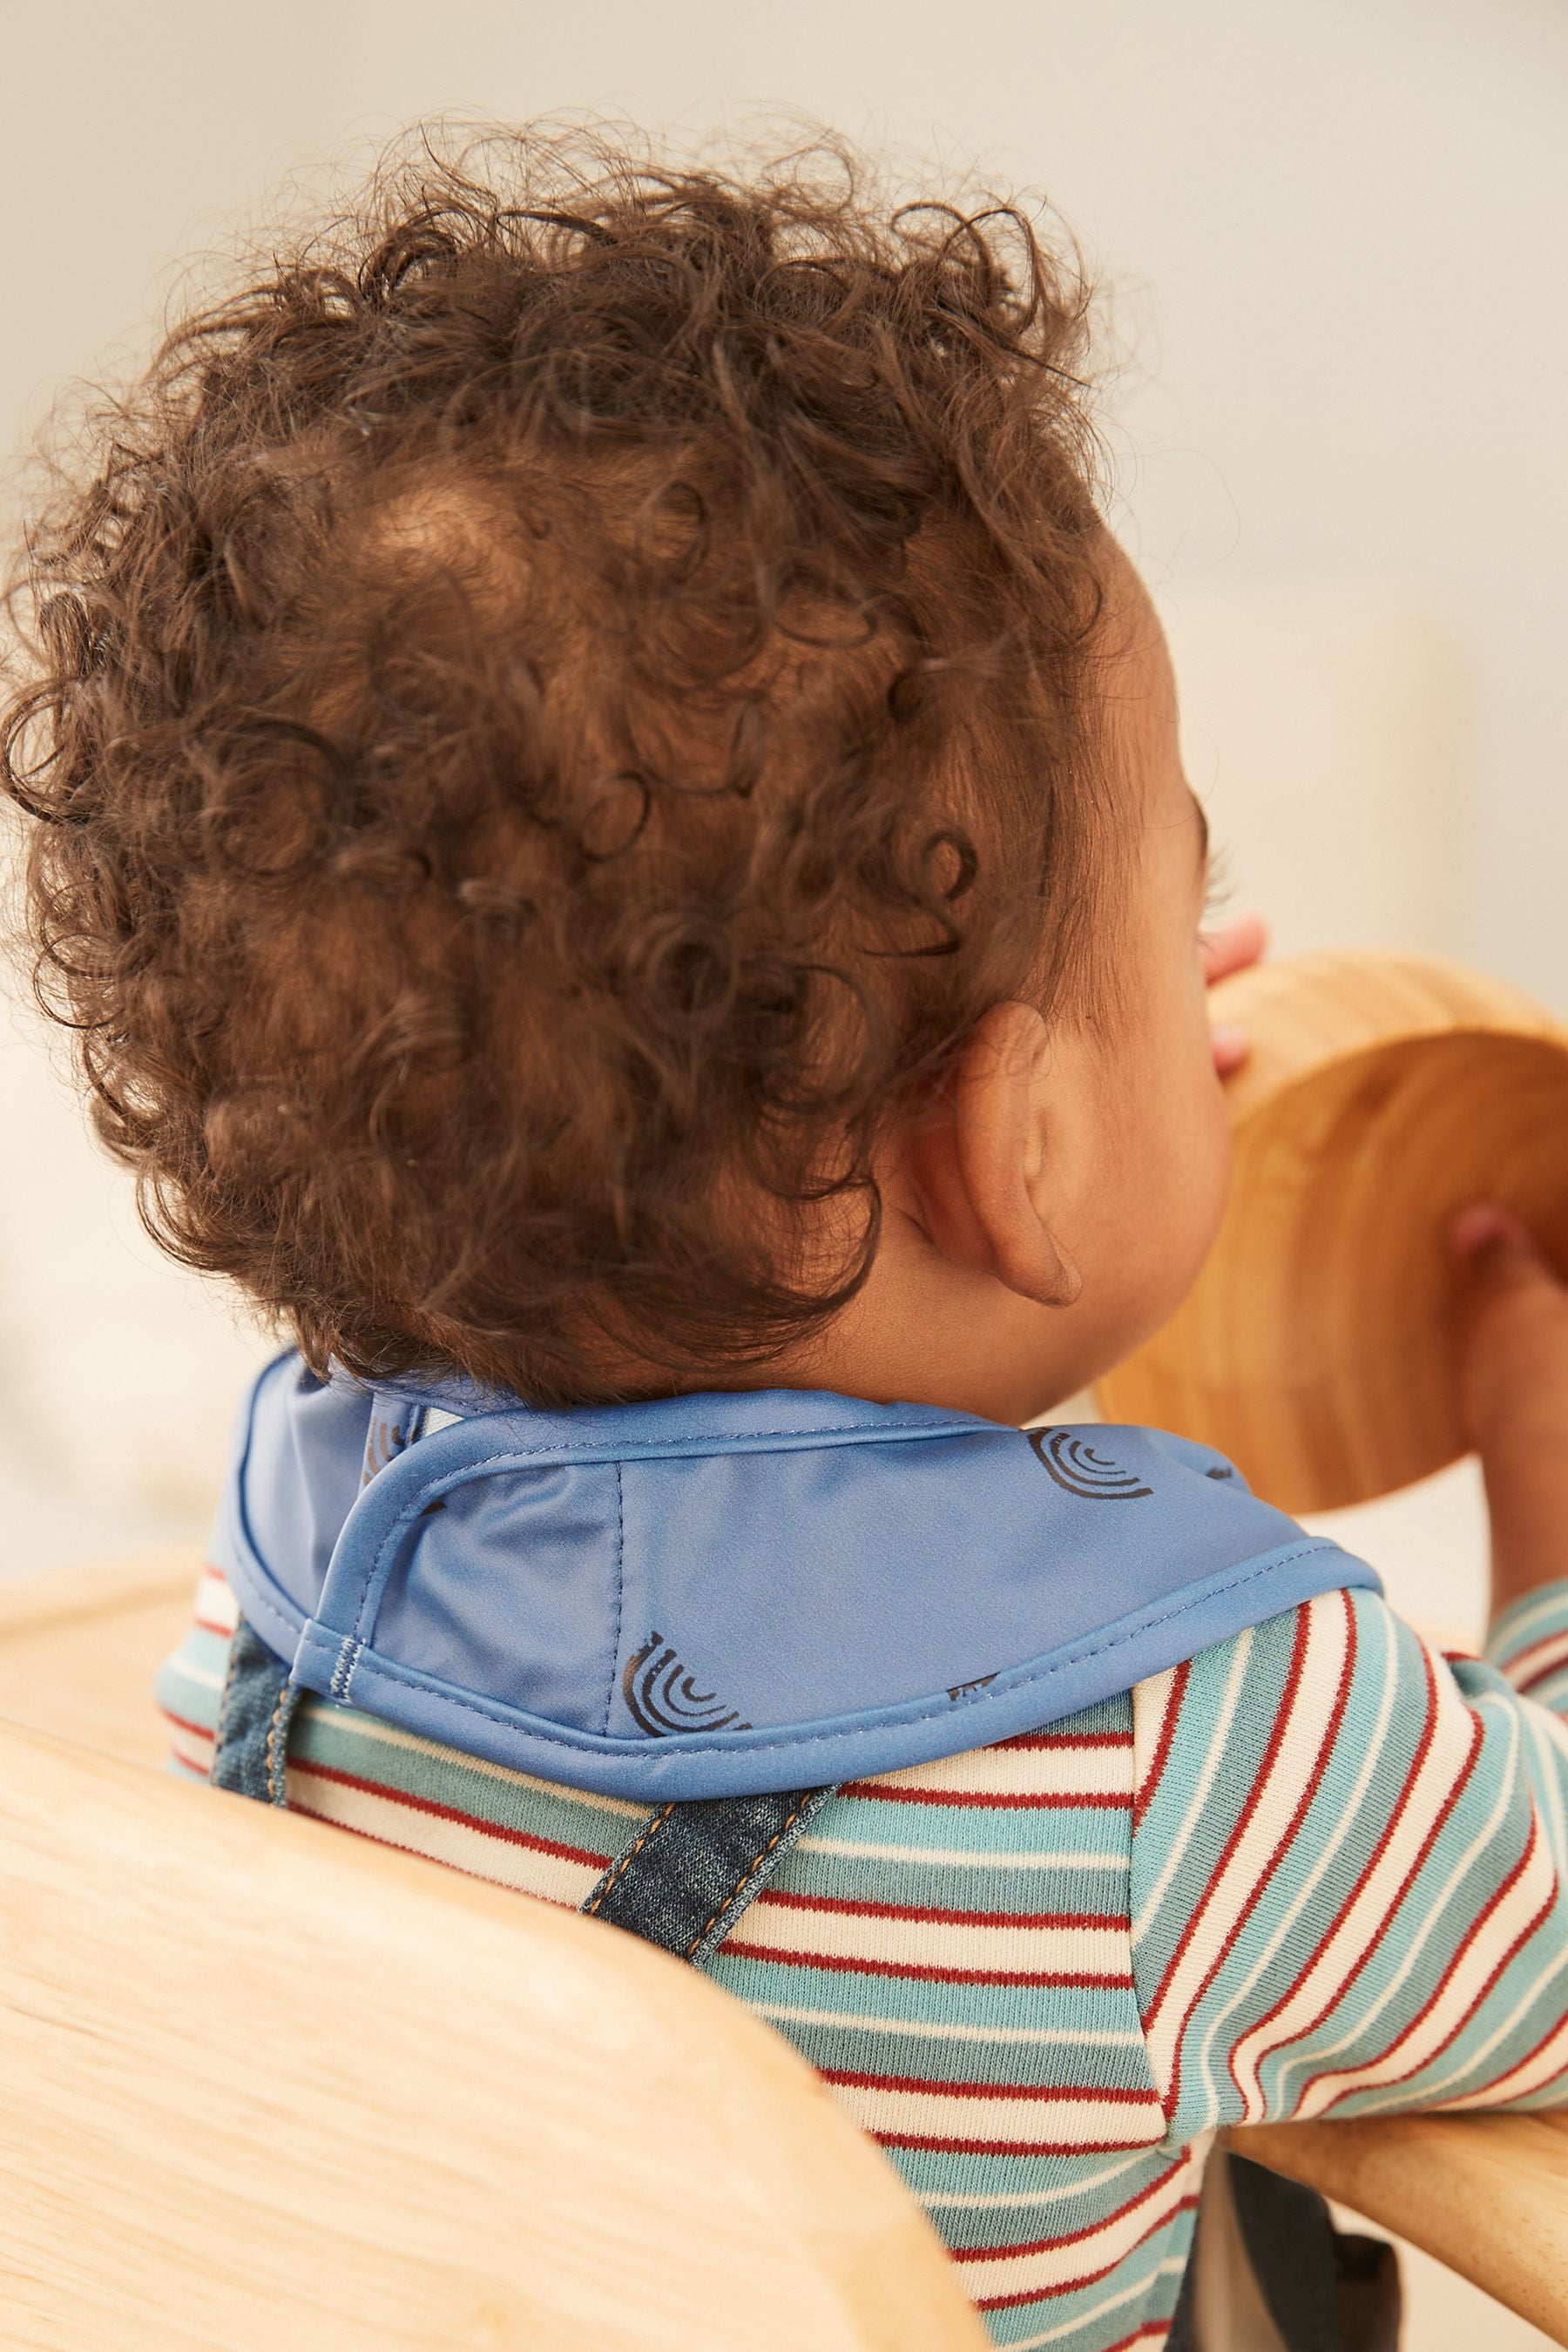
(720, 1595)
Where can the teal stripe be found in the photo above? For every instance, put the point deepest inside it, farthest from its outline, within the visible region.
(1028, 2064)
(1144, 2287)
(992, 1886)
(1535, 1617)
(322, 1738)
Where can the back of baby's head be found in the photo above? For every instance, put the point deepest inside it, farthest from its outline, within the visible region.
(550, 711)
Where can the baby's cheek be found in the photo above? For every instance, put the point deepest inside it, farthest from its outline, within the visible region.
(1218, 1160)
(1200, 1176)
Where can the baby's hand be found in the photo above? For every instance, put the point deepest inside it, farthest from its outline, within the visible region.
(1240, 943)
(1514, 1393)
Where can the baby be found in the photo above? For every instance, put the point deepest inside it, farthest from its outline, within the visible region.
(607, 814)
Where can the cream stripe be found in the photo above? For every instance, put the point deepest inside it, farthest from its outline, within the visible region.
(1205, 1780)
(1546, 1778)
(356, 1725)
(1025, 2199)
(204, 1678)
(1065, 1772)
(1152, 1700)
(1477, 1960)
(1079, 2037)
(1553, 1602)
(195, 1749)
(956, 1857)
(1369, 1914)
(1171, 2267)
(215, 1599)
(548, 1876)
(1314, 2057)
(1534, 2071)
(1325, 1629)
(1053, 2266)
(1022, 2122)
(788, 1931)
(1348, 1814)
(1541, 1659)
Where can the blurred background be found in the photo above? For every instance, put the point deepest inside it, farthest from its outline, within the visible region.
(1327, 235)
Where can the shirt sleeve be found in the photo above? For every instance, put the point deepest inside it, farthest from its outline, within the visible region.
(1348, 1853)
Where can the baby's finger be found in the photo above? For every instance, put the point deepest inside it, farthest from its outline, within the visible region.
(1239, 944)
(1231, 1046)
(1494, 1250)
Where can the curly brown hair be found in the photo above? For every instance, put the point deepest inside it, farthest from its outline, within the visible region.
(548, 713)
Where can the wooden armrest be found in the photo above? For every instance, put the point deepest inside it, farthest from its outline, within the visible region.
(1488, 2195)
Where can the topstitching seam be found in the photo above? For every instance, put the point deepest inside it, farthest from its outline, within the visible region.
(690, 1745)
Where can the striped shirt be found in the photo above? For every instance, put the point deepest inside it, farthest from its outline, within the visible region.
(1313, 1870)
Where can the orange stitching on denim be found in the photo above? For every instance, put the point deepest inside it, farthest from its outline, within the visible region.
(751, 1869)
(626, 1860)
(271, 1751)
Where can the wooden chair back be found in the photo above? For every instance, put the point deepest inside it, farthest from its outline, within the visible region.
(264, 2083)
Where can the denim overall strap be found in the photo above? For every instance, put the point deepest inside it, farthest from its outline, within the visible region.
(689, 1874)
(250, 1750)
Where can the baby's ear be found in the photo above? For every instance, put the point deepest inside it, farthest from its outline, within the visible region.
(975, 1154)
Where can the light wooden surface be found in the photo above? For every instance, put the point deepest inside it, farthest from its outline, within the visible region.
(1488, 2195)
(264, 2085)
(1384, 1092)
(79, 1647)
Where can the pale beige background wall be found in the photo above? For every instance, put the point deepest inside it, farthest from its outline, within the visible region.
(1336, 229)
(1332, 233)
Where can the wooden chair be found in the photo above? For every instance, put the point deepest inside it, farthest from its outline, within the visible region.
(365, 2102)
(361, 2104)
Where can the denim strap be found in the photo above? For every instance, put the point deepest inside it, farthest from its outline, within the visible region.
(250, 1750)
(681, 1882)
(689, 1874)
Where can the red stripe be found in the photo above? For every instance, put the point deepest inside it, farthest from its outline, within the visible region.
(1286, 1708)
(200, 1730)
(1534, 2051)
(1010, 1801)
(395, 1845)
(1498, 1896)
(1282, 1843)
(937, 2087)
(1538, 1681)
(1167, 1734)
(1065, 1739)
(854, 1906)
(1058, 1979)
(1423, 1749)
(502, 1830)
(1069, 2237)
(1142, 2335)
(936, 2145)
(1531, 1649)
(206, 1625)
(1089, 2278)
